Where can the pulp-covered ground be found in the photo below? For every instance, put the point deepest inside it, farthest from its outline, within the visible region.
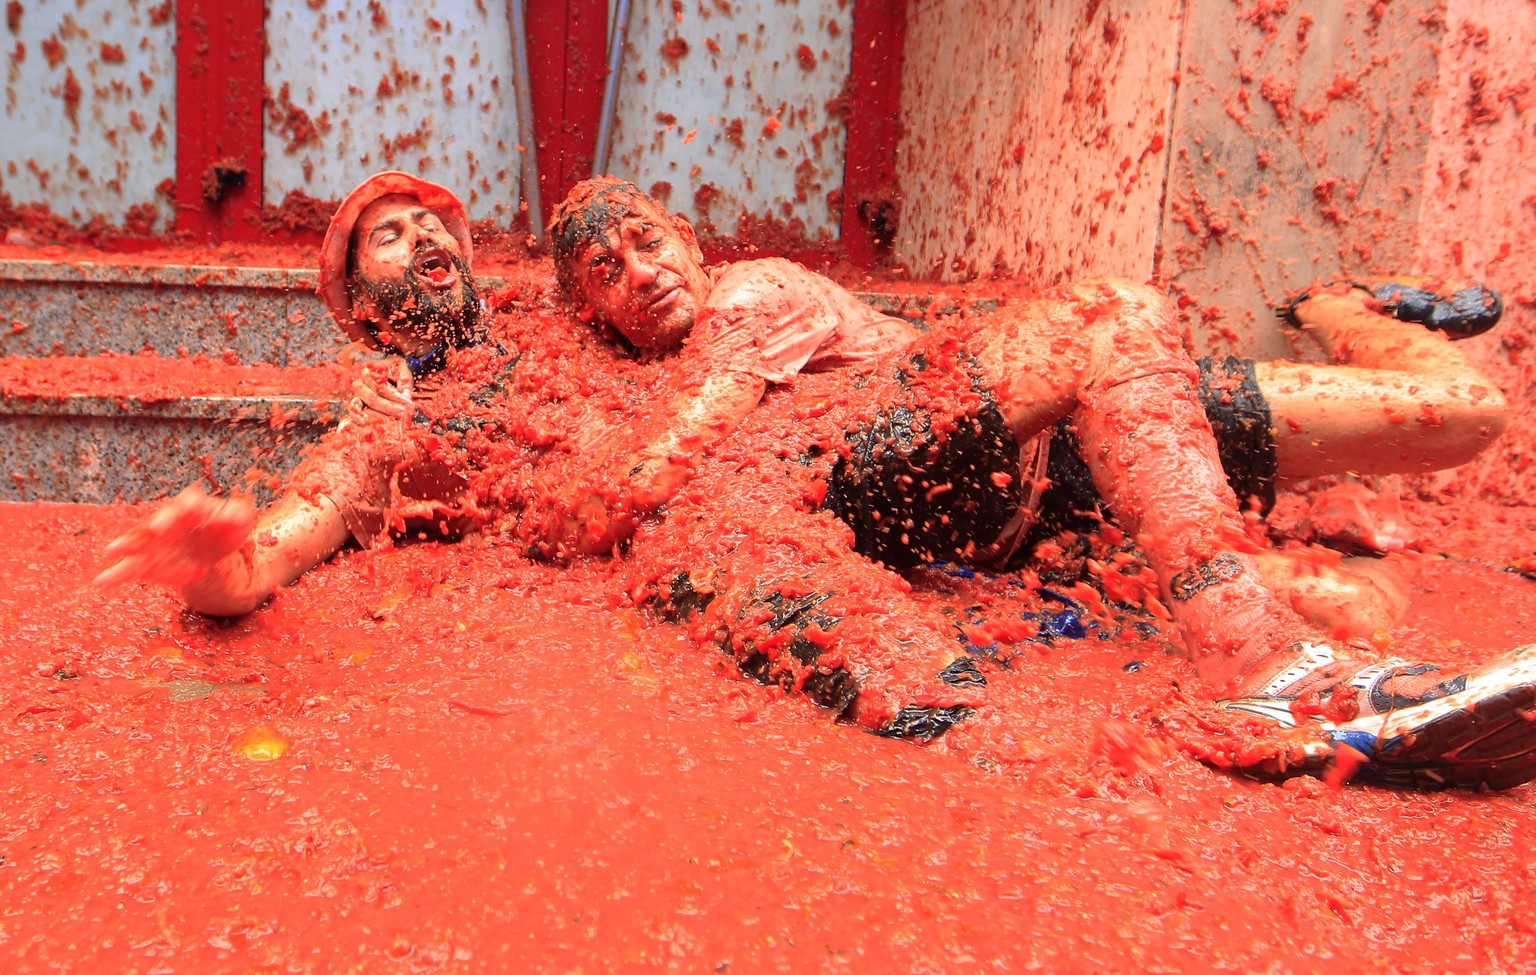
(450, 758)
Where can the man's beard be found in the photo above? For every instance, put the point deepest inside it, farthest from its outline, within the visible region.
(405, 306)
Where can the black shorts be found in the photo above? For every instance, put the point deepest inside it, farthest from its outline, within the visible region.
(1245, 441)
(913, 495)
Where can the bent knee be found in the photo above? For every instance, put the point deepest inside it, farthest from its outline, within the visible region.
(1129, 296)
(1491, 410)
(1132, 329)
(1470, 422)
(1139, 310)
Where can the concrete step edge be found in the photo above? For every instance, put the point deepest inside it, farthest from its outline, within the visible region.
(233, 407)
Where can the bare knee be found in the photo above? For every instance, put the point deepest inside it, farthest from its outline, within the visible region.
(1122, 293)
(1449, 423)
(1353, 599)
(1037, 356)
(1131, 330)
(1490, 411)
(1469, 420)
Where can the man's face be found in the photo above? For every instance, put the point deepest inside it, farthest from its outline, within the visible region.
(409, 276)
(646, 278)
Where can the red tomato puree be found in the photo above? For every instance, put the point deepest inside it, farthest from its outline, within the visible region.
(454, 758)
(451, 758)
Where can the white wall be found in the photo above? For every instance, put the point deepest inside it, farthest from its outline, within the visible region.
(1479, 206)
(1033, 140)
(106, 153)
(425, 87)
(756, 75)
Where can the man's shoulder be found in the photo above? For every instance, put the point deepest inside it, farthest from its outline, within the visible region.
(750, 284)
(763, 268)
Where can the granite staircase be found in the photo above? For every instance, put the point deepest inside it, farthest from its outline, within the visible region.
(125, 381)
(128, 380)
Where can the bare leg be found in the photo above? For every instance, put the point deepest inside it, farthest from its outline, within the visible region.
(1149, 445)
(1399, 399)
(1146, 439)
(1403, 399)
(1110, 352)
(1349, 599)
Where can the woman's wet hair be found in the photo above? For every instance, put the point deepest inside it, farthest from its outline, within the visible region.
(584, 217)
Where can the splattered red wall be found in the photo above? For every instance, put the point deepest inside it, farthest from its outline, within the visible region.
(355, 87)
(1035, 136)
(89, 116)
(737, 108)
(730, 109)
(1300, 140)
(1479, 207)
(723, 108)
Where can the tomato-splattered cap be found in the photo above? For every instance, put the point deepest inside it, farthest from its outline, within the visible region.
(338, 237)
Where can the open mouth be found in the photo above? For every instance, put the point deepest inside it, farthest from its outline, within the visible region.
(434, 265)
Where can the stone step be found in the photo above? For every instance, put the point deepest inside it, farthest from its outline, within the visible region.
(246, 314)
(96, 430)
(86, 308)
(128, 379)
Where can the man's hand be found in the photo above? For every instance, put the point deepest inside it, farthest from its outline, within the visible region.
(384, 388)
(573, 519)
(179, 543)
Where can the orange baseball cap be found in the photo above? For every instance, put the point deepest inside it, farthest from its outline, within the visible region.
(338, 237)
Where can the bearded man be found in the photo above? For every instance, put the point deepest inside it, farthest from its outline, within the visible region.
(395, 274)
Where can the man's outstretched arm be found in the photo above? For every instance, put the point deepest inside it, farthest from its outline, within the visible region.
(642, 465)
(717, 379)
(765, 320)
(225, 560)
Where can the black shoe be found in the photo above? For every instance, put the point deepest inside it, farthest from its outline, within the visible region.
(1470, 311)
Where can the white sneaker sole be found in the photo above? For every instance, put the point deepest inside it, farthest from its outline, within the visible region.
(1482, 736)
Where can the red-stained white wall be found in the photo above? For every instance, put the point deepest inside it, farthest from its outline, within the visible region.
(1034, 137)
(426, 87)
(732, 108)
(1304, 140)
(1298, 144)
(1479, 214)
(89, 118)
(723, 108)
(353, 86)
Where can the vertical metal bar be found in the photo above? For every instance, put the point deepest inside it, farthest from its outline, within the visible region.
(219, 81)
(517, 12)
(617, 37)
(873, 121)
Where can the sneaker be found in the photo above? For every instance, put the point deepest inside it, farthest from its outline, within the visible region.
(1476, 730)
(1468, 312)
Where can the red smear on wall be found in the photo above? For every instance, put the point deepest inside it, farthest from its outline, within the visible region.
(219, 77)
(870, 205)
(567, 58)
